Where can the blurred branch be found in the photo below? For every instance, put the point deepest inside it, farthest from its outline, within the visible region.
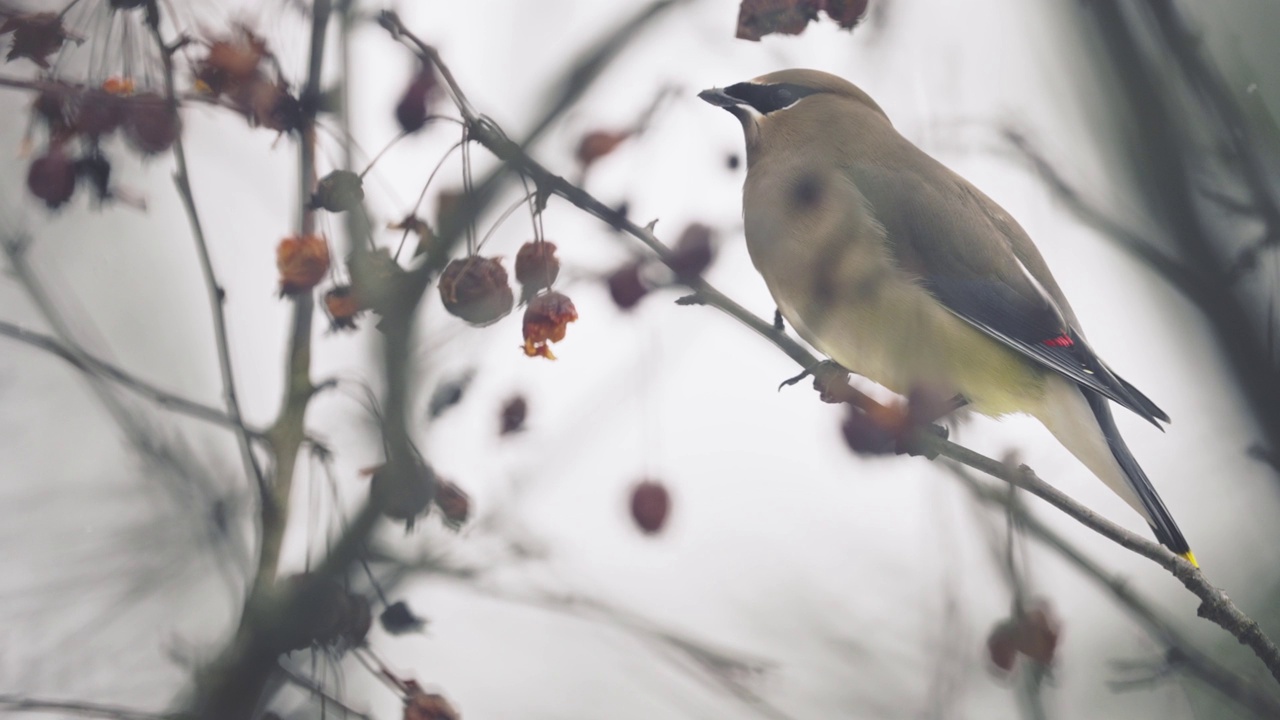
(1182, 652)
(35, 705)
(1215, 605)
(182, 181)
(1168, 159)
(1187, 280)
(87, 363)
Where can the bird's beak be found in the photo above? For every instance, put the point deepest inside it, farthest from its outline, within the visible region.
(719, 98)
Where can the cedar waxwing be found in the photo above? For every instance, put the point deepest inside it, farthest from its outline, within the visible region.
(901, 271)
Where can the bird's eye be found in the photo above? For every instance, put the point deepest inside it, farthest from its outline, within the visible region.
(783, 97)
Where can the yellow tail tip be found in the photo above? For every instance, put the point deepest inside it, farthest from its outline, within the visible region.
(1191, 558)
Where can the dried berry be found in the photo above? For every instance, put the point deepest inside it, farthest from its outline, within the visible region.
(414, 106)
(476, 289)
(52, 178)
(1034, 634)
(341, 305)
(421, 705)
(626, 286)
(846, 12)
(232, 62)
(339, 191)
(866, 434)
(399, 619)
(514, 412)
(454, 504)
(650, 504)
(328, 615)
(757, 18)
(545, 321)
(97, 113)
(36, 36)
(404, 494)
(150, 123)
(595, 145)
(55, 105)
(303, 261)
(693, 253)
(536, 267)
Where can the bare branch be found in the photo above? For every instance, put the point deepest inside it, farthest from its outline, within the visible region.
(216, 295)
(84, 709)
(1226, 681)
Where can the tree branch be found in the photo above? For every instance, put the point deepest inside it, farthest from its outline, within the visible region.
(1183, 653)
(84, 709)
(216, 295)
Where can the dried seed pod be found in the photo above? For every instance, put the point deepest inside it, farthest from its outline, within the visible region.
(545, 321)
(150, 124)
(537, 267)
(303, 261)
(52, 178)
(477, 290)
(650, 505)
(342, 306)
(339, 191)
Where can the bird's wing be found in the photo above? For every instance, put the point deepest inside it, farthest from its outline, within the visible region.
(970, 256)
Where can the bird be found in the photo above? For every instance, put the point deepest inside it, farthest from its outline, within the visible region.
(902, 271)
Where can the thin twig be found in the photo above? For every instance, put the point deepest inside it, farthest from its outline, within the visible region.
(216, 295)
(81, 360)
(86, 709)
(1226, 681)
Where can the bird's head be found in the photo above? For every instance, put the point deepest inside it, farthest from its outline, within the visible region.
(790, 106)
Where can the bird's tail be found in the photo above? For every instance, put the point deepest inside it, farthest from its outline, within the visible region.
(1081, 420)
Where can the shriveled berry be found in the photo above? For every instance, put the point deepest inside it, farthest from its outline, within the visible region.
(339, 191)
(342, 306)
(150, 124)
(414, 105)
(477, 290)
(545, 320)
(303, 261)
(52, 178)
(537, 267)
(626, 287)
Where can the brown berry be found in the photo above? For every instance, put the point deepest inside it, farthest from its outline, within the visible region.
(150, 124)
(422, 705)
(477, 290)
(1002, 645)
(303, 261)
(52, 178)
(626, 287)
(536, 267)
(597, 144)
(545, 321)
(693, 252)
(414, 105)
(342, 306)
(98, 113)
(650, 504)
